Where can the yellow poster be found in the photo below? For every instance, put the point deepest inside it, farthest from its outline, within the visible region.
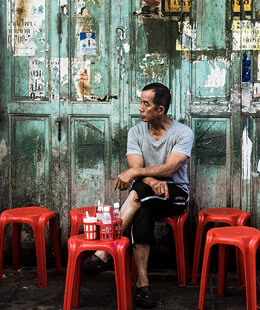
(247, 5)
(171, 6)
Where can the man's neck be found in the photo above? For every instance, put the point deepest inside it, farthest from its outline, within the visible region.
(158, 128)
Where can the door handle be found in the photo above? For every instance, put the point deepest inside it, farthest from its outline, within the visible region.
(59, 122)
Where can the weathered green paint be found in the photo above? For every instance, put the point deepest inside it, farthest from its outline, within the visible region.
(29, 160)
(211, 24)
(63, 142)
(211, 162)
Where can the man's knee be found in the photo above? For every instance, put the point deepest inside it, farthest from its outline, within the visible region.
(133, 195)
(133, 200)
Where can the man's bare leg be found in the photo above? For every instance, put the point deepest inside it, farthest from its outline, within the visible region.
(143, 295)
(127, 212)
(141, 254)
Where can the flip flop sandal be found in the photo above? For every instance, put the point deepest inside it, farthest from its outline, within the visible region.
(94, 265)
(144, 298)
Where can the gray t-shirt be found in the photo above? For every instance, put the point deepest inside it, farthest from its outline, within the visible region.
(178, 138)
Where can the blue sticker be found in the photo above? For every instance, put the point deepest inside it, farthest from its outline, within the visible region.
(87, 43)
(246, 71)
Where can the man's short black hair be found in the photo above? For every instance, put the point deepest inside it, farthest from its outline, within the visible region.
(162, 95)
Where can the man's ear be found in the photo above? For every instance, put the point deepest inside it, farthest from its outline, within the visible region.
(161, 109)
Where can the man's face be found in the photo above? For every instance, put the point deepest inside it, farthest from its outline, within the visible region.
(148, 110)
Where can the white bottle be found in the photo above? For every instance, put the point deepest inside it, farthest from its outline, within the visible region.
(106, 216)
(99, 213)
(116, 212)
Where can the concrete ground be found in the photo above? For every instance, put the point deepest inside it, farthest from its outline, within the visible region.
(19, 290)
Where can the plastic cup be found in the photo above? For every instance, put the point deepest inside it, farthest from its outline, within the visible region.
(90, 228)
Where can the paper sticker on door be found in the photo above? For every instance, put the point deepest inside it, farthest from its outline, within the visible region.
(87, 43)
(81, 73)
(26, 27)
(36, 78)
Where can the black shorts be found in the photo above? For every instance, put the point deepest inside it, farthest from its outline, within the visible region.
(153, 208)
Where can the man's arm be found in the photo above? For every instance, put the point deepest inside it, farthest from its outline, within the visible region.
(148, 174)
(173, 163)
(159, 187)
(135, 161)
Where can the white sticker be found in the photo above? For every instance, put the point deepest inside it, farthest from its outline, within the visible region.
(246, 154)
(26, 23)
(246, 35)
(36, 78)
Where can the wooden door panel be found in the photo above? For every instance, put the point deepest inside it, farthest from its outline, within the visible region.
(211, 23)
(211, 79)
(30, 160)
(211, 162)
(90, 160)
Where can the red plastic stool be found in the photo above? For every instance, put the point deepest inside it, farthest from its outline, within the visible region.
(229, 216)
(36, 217)
(247, 240)
(177, 222)
(76, 218)
(118, 249)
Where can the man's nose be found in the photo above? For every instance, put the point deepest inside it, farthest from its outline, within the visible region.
(141, 107)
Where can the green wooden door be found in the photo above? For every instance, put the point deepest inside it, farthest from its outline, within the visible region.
(30, 106)
(62, 94)
(224, 105)
(91, 102)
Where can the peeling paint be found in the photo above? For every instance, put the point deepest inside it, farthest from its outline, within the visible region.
(98, 78)
(217, 76)
(81, 75)
(256, 90)
(247, 92)
(64, 76)
(122, 33)
(151, 66)
(246, 154)
(82, 7)
(3, 150)
(55, 153)
(126, 47)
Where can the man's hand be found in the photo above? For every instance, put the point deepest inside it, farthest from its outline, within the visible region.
(160, 188)
(124, 179)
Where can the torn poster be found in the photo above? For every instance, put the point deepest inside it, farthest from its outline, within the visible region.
(246, 154)
(87, 43)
